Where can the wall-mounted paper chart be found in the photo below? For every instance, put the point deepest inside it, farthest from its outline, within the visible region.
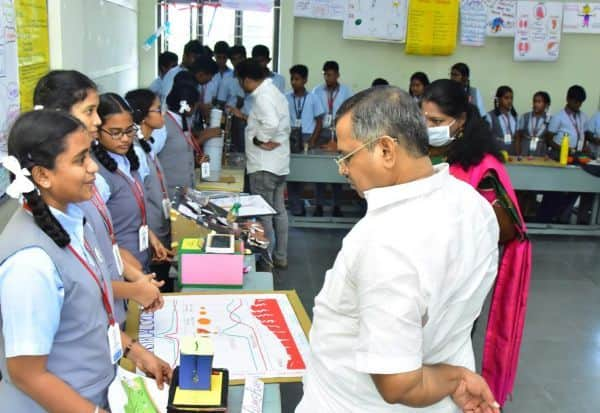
(501, 18)
(581, 18)
(432, 26)
(538, 31)
(320, 9)
(376, 20)
(473, 18)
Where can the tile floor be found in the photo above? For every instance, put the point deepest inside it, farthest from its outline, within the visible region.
(560, 358)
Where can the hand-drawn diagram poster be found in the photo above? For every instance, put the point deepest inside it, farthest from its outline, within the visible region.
(501, 18)
(538, 31)
(253, 334)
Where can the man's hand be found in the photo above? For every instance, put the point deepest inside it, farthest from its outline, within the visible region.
(473, 395)
(236, 112)
(269, 146)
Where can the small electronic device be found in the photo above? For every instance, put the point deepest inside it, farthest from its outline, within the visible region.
(220, 244)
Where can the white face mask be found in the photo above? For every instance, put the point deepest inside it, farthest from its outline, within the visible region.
(440, 135)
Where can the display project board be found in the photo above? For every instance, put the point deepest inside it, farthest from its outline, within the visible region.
(376, 20)
(320, 9)
(33, 50)
(581, 18)
(538, 31)
(501, 16)
(262, 334)
(9, 84)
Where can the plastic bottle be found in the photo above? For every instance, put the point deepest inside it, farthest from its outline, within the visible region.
(564, 149)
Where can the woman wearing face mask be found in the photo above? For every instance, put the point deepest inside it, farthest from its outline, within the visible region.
(459, 136)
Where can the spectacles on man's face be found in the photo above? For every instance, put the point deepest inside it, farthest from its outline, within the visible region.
(158, 110)
(342, 161)
(117, 134)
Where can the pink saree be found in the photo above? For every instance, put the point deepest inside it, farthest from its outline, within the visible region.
(506, 319)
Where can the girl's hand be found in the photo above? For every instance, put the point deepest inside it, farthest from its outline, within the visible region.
(160, 252)
(151, 365)
(147, 292)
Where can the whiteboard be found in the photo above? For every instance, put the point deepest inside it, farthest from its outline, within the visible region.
(376, 20)
(320, 9)
(9, 81)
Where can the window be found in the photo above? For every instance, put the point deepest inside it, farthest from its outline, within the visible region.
(191, 20)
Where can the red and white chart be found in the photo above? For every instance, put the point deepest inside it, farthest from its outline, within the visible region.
(253, 334)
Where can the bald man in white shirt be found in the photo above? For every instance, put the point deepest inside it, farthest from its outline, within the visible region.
(392, 323)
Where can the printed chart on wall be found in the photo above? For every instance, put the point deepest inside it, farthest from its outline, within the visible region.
(376, 20)
(432, 26)
(538, 31)
(320, 9)
(253, 334)
(473, 18)
(9, 86)
(581, 18)
(33, 50)
(501, 16)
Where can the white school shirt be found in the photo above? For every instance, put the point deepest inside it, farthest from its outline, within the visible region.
(404, 291)
(229, 91)
(32, 293)
(212, 88)
(323, 94)
(309, 108)
(269, 120)
(573, 124)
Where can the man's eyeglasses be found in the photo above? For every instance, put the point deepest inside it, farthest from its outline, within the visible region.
(159, 110)
(343, 160)
(118, 134)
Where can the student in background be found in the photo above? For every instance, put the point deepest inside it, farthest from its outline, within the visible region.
(221, 55)
(203, 69)
(181, 148)
(60, 341)
(379, 82)
(192, 50)
(532, 126)
(331, 95)
(147, 115)
(119, 182)
(74, 93)
(418, 82)
(268, 151)
(503, 119)
(569, 121)
(232, 95)
(592, 131)
(306, 116)
(261, 54)
(461, 73)
(166, 61)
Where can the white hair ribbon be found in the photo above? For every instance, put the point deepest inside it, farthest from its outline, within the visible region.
(140, 134)
(184, 107)
(22, 184)
(38, 107)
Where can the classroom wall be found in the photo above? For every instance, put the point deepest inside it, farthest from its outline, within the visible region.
(148, 59)
(98, 38)
(315, 41)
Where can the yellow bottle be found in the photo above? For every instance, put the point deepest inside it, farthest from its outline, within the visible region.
(564, 149)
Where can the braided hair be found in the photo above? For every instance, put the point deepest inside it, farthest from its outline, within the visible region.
(500, 92)
(112, 104)
(37, 138)
(140, 101)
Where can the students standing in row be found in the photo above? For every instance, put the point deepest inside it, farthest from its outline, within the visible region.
(306, 115)
(503, 119)
(166, 61)
(119, 182)
(221, 55)
(73, 92)
(60, 340)
(192, 51)
(147, 115)
(331, 94)
(261, 54)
